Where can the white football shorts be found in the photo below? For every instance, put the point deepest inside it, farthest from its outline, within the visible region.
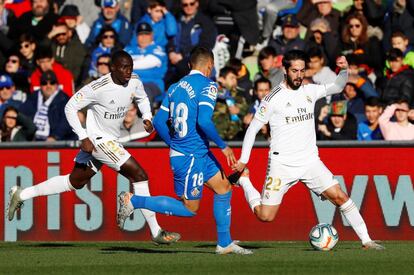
(108, 151)
(281, 177)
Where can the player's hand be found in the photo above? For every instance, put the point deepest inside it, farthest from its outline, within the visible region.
(342, 63)
(231, 159)
(87, 145)
(148, 126)
(239, 166)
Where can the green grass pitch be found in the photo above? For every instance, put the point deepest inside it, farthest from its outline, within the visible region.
(199, 258)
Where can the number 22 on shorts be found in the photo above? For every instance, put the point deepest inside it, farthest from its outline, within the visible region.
(273, 184)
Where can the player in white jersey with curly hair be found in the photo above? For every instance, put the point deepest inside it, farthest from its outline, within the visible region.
(107, 101)
(293, 155)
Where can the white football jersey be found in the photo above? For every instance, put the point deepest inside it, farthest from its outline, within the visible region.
(107, 104)
(290, 114)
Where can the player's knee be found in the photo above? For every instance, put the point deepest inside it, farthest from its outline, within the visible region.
(140, 176)
(340, 198)
(77, 183)
(191, 207)
(266, 217)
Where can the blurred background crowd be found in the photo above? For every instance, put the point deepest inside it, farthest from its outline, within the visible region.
(51, 48)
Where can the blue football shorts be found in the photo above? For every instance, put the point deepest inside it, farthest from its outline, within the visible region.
(190, 173)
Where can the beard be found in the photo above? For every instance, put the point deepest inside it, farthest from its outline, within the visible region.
(294, 84)
(38, 12)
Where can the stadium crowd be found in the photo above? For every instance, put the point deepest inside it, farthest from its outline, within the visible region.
(51, 48)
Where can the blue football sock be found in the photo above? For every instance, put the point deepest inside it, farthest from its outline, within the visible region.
(161, 204)
(222, 215)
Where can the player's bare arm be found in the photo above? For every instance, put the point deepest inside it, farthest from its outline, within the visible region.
(148, 126)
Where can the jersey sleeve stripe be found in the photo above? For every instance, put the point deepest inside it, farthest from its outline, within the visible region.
(164, 108)
(272, 93)
(207, 104)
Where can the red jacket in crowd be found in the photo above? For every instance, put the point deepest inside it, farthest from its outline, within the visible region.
(64, 77)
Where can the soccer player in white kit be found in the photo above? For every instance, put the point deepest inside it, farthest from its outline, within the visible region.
(293, 155)
(107, 100)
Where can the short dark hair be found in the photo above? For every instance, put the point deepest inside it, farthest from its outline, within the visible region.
(119, 55)
(394, 54)
(266, 52)
(154, 3)
(315, 52)
(200, 56)
(43, 52)
(235, 63)
(373, 101)
(293, 55)
(399, 33)
(261, 80)
(227, 70)
(403, 100)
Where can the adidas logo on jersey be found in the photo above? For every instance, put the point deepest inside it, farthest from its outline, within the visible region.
(288, 104)
(112, 102)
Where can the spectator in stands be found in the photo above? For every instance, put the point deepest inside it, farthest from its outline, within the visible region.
(399, 17)
(354, 101)
(71, 17)
(340, 126)
(45, 62)
(321, 9)
(150, 61)
(244, 84)
(373, 11)
(270, 65)
(27, 50)
(7, 18)
(110, 16)
(162, 22)
(400, 41)
(13, 67)
(15, 126)
(289, 39)
(8, 94)
(271, 14)
(401, 128)
(317, 69)
(356, 91)
(357, 41)
(262, 87)
(398, 82)
(230, 107)
(369, 129)
(132, 129)
(106, 43)
(38, 22)
(194, 29)
(67, 49)
(102, 68)
(321, 36)
(46, 107)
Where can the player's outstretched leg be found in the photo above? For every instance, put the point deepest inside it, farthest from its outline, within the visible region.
(132, 170)
(160, 204)
(158, 235)
(352, 214)
(51, 186)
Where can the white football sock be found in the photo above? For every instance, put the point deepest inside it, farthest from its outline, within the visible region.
(252, 196)
(55, 185)
(351, 213)
(141, 189)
